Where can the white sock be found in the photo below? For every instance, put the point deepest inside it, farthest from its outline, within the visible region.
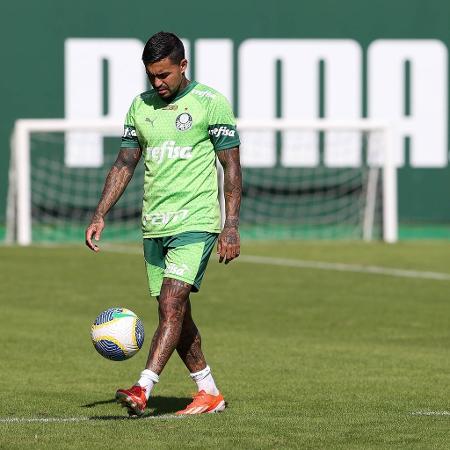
(205, 381)
(148, 380)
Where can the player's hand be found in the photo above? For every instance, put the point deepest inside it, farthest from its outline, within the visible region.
(94, 231)
(228, 244)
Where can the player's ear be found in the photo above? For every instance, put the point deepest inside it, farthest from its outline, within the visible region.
(183, 65)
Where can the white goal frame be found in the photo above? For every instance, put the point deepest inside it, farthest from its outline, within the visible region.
(19, 190)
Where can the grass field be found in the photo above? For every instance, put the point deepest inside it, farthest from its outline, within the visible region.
(307, 355)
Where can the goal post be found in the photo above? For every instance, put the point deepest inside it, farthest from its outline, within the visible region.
(19, 211)
(297, 176)
(381, 154)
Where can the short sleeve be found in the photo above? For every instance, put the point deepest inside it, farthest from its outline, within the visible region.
(222, 124)
(129, 137)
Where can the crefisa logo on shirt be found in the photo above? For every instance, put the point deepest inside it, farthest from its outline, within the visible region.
(222, 130)
(168, 150)
(183, 122)
(129, 133)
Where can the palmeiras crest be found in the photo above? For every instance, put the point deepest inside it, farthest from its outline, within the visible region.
(183, 121)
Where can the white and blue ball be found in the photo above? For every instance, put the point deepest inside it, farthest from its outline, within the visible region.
(117, 334)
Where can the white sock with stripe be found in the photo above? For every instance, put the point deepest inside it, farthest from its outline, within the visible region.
(205, 381)
(147, 380)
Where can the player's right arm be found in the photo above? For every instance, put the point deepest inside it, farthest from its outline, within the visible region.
(117, 180)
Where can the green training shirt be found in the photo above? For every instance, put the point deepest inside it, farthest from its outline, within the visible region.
(178, 141)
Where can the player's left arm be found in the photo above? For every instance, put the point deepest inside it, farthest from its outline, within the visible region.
(228, 245)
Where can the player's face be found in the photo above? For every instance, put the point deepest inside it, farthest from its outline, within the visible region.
(166, 76)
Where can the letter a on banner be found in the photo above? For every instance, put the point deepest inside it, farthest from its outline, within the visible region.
(425, 120)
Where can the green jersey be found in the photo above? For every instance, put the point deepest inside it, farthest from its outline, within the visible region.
(178, 141)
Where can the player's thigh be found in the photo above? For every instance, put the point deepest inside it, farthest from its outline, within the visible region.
(187, 257)
(154, 256)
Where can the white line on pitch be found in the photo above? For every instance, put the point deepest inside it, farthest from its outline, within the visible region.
(341, 267)
(319, 265)
(430, 413)
(82, 419)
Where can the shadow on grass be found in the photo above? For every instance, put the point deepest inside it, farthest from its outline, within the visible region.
(167, 405)
(158, 406)
(100, 402)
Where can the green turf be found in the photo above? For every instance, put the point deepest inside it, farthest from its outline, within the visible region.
(306, 358)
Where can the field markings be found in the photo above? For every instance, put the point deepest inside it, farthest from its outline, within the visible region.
(342, 267)
(430, 413)
(318, 265)
(83, 419)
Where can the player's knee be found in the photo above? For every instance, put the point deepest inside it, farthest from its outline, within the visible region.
(171, 310)
(173, 300)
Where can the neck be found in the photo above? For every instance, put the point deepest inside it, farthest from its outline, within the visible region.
(184, 83)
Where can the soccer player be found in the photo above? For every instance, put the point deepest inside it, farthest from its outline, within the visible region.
(178, 128)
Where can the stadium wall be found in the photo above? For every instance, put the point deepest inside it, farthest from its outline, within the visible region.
(398, 52)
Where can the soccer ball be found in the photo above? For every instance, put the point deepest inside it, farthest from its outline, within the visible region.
(117, 333)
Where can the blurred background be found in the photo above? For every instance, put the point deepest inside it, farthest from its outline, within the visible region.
(304, 60)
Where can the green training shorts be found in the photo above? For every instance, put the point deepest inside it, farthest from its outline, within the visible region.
(183, 257)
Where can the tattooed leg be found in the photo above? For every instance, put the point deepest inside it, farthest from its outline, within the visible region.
(189, 347)
(172, 307)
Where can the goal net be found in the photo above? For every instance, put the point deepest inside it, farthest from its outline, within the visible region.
(301, 180)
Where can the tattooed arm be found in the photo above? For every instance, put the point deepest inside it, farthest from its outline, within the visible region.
(116, 182)
(228, 246)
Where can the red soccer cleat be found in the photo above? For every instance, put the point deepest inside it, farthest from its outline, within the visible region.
(204, 403)
(133, 399)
